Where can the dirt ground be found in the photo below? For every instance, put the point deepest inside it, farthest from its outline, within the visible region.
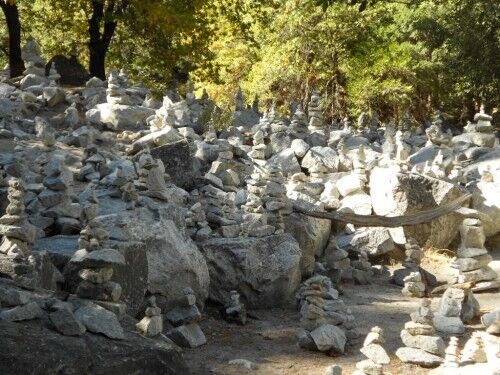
(269, 340)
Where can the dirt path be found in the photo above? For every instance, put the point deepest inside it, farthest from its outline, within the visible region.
(269, 341)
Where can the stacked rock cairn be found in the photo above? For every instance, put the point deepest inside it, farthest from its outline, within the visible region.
(18, 236)
(298, 125)
(186, 332)
(152, 323)
(413, 285)
(98, 264)
(327, 322)
(235, 311)
(376, 354)
(472, 257)
(422, 348)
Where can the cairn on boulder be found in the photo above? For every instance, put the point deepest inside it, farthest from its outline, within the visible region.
(298, 126)
(422, 348)
(97, 267)
(472, 257)
(152, 323)
(235, 311)
(18, 236)
(373, 350)
(328, 323)
(457, 306)
(187, 333)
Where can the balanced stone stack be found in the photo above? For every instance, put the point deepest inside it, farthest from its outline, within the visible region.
(317, 124)
(231, 225)
(336, 260)
(18, 236)
(328, 323)
(152, 323)
(298, 126)
(115, 93)
(187, 333)
(275, 199)
(414, 287)
(129, 195)
(255, 215)
(481, 133)
(402, 152)
(45, 132)
(457, 306)
(452, 355)
(235, 311)
(35, 67)
(472, 257)
(259, 147)
(376, 354)
(56, 202)
(421, 347)
(94, 164)
(413, 283)
(196, 221)
(361, 268)
(97, 267)
(345, 162)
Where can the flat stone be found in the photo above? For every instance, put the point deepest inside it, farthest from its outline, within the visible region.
(65, 323)
(187, 336)
(470, 264)
(448, 324)
(25, 312)
(482, 274)
(99, 320)
(431, 344)
(98, 258)
(329, 337)
(376, 353)
(418, 357)
(419, 329)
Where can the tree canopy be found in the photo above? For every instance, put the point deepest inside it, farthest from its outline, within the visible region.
(389, 56)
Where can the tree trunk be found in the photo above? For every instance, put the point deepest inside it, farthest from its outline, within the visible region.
(99, 44)
(16, 63)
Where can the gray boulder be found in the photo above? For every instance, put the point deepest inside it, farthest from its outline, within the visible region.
(99, 320)
(178, 162)
(266, 271)
(396, 193)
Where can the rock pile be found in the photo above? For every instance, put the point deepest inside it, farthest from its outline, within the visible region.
(152, 323)
(373, 350)
(187, 333)
(328, 323)
(422, 348)
(472, 257)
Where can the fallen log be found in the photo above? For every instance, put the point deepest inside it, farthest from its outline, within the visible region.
(386, 221)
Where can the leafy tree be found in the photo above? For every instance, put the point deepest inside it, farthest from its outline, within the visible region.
(11, 13)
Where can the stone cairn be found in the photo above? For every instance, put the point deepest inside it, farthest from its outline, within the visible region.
(129, 195)
(231, 225)
(116, 93)
(152, 323)
(97, 267)
(196, 221)
(474, 350)
(345, 162)
(94, 164)
(18, 236)
(413, 285)
(55, 200)
(361, 268)
(472, 257)
(376, 354)
(235, 311)
(298, 125)
(421, 347)
(452, 354)
(316, 121)
(336, 260)
(33, 60)
(259, 147)
(266, 203)
(456, 306)
(186, 332)
(45, 132)
(327, 322)
(402, 152)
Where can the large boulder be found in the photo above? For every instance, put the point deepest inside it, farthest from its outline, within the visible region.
(265, 271)
(374, 241)
(37, 350)
(395, 194)
(119, 116)
(312, 234)
(178, 162)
